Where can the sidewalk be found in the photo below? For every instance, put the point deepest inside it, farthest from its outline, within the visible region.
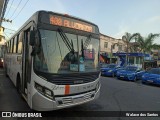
(10, 100)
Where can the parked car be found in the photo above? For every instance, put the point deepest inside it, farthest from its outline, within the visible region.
(1, 62)
(128, 73)
(139, 74)
(110, 70)
(104, 65)
(152, 76)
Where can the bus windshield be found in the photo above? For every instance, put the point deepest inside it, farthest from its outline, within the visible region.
(61, 52)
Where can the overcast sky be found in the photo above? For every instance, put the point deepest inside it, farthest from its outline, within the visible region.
(114, 17)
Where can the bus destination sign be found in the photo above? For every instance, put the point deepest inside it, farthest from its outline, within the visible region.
(70, 23)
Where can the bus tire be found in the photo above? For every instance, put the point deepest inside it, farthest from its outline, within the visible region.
(18, 84)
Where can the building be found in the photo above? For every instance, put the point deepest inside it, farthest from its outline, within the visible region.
(156, 56)
(2, 38)
(110, 45)
(3, 6)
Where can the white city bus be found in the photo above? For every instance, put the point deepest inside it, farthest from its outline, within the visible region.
(53, 60)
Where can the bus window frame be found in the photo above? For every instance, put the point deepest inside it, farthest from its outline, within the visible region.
(17, 43)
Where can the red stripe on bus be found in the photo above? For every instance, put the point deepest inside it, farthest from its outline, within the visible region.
(67, 89)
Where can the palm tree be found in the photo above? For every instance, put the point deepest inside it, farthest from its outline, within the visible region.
(134, 47)
(127, 38)
(146, 44)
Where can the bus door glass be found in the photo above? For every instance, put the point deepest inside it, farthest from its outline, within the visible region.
(25, 66)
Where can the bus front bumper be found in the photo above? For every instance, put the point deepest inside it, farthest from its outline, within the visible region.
(42, 103)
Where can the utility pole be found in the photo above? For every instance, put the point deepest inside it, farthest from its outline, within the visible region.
(5, 20)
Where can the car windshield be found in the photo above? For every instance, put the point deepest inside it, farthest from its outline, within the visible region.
(154, 71)
(104, 65)
(111, 66)
(129, 68)
(65, 53)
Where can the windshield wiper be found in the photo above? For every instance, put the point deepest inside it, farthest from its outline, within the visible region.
(87, 41)
(82, 48)
(85, 45)
(66, 40)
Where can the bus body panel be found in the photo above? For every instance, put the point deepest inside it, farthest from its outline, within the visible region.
(13, 66)
(40, 102)
(76, 94)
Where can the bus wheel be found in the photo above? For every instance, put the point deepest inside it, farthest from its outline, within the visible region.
(18, 84)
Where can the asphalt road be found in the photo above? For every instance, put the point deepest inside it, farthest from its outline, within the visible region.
(116, 95)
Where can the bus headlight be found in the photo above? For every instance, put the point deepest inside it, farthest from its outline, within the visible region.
(44, 91)
(48, 93)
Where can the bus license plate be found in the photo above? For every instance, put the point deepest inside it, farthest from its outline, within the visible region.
(77, 100)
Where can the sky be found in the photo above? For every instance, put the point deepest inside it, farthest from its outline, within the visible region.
(114, 17)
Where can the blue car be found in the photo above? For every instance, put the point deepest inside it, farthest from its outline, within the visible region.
(129, 73)
(152, 76)
(110, 70)
(139, 74)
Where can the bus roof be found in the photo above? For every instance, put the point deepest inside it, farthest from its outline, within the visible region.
(36, 15)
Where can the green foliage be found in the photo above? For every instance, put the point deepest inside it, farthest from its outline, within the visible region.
(127, 38)
(146, 43)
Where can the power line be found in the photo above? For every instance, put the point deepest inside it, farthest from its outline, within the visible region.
(21, 10)
(16, 8)
(5, 20)
(9, 29)
(9, 9)
(5, 34)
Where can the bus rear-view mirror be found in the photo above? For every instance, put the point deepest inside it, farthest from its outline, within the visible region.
(32, 38)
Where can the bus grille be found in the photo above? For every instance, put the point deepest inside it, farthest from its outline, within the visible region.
(69, 79)
(67, 100)
(73, 79)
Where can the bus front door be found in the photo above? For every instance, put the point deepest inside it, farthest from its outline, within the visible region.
(26, 71)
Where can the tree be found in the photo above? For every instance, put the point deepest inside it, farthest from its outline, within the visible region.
(134, 47)
(146, 44)
(127, 38)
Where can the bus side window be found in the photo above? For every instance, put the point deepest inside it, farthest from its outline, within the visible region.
(11, 45)
(14, 46)
(20, 43)
(17, 43)
(8, 46)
